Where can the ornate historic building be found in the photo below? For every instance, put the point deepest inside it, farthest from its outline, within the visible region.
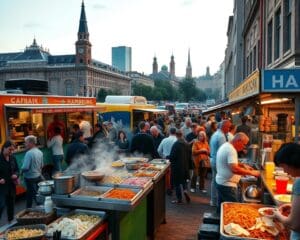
(35, 70)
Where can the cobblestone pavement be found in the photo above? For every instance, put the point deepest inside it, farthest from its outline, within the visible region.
(183, 220)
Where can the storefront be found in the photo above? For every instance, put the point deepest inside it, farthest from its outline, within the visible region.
(23, 115)
(271, 102)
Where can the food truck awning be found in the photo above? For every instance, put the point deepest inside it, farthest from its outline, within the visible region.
(55, 108)
(153, 110)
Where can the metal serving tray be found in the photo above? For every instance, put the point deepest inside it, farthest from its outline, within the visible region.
(227, 236)
(100, 189)
(84, 235)
(137, 190)
(159, 161)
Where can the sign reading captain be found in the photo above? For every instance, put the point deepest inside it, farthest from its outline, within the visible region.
(281, 80)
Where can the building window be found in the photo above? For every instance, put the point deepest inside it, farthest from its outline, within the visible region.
(269, 42)
(69, 88)
(250, 64)
(277, 29)
(287, 18)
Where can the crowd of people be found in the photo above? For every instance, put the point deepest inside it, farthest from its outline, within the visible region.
(193, 145)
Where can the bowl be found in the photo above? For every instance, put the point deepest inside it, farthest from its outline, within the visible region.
(46, 187)
(283, 198)
(134, 159)
(132, 166)
(93, 175)
(267, 212)
(253, 191)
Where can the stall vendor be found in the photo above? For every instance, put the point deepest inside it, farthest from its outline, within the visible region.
(287, 157)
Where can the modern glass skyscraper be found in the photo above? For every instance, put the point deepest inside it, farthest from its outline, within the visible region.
(121, 58)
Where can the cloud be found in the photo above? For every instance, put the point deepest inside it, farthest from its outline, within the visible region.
(99, 6)
(32, 25)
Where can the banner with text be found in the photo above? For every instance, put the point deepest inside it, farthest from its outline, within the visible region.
(280, 80)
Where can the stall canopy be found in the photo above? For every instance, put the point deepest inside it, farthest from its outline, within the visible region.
(153, 110)
(55, 108)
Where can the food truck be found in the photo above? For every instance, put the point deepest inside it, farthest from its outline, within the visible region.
(128, 111)
(22, 115)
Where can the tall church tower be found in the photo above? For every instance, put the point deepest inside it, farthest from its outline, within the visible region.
(188, 73)
(154, 66)
(172, 67)
(83, 45)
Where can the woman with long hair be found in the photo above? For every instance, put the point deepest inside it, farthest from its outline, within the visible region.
(200, 153)
(9, 172)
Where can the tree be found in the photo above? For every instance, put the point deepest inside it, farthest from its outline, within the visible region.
(102, 93)
(188, 89)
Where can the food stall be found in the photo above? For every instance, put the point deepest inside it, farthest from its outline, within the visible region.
(22, 115)
(270, 99)
(136, 217)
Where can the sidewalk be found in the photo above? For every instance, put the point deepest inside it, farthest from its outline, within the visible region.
(183, 220)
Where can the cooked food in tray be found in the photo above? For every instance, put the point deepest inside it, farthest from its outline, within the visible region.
(33, 214)
(93, 175)
(112, 179)
(267, 212)
(117, 164)
(245, 220)
(153, 167)
(26, 232)
(136, 181)
(120, 193)
(73, 226)
(87, 192)
(145, 173)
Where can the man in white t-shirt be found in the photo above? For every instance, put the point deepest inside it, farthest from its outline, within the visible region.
(229, 170)
(84, 126)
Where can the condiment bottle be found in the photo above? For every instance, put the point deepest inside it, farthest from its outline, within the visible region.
(269, 168)
(48, 204)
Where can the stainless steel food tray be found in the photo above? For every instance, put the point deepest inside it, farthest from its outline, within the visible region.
(159, 161)
(101, 214)
(225, 235)
(137, 190)
(100, 189)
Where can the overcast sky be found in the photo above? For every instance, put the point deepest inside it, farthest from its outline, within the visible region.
(150, 27)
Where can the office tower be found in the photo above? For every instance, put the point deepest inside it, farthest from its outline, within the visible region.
(121, 58)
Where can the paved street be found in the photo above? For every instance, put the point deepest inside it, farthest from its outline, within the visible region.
(183, 220)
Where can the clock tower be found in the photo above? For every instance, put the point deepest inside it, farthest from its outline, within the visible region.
(83, 45)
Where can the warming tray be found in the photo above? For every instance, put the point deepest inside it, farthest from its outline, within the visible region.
(138, 192)
(84, 234)
(100, 189)
(250, 205)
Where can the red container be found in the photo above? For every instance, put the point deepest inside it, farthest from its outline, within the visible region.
(281, 184)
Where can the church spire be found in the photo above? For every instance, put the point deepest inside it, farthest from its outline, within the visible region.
(154, 65)
(172, 67)
(189, 67)
(83, 28)
(83, 45)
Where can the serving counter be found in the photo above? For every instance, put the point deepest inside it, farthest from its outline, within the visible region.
(133, 219)
(269, 184)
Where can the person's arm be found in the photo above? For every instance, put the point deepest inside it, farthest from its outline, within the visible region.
(160, 149)
(237, 169)
(291, 221)
(26, 163)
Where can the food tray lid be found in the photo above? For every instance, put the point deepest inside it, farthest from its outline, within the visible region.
(101, 214)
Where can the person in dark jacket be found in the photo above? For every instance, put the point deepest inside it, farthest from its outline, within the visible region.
(99, 136)
(180, 157)
(143, 143)
(9, 173)
(157, 136)
(77, 148)
(122, 141)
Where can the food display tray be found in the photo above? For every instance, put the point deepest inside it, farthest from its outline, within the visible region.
(49, 217)
(136, 189)
(86, 233)
(100, 189)
(231, 237)
(42, 227)
(159, 161)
